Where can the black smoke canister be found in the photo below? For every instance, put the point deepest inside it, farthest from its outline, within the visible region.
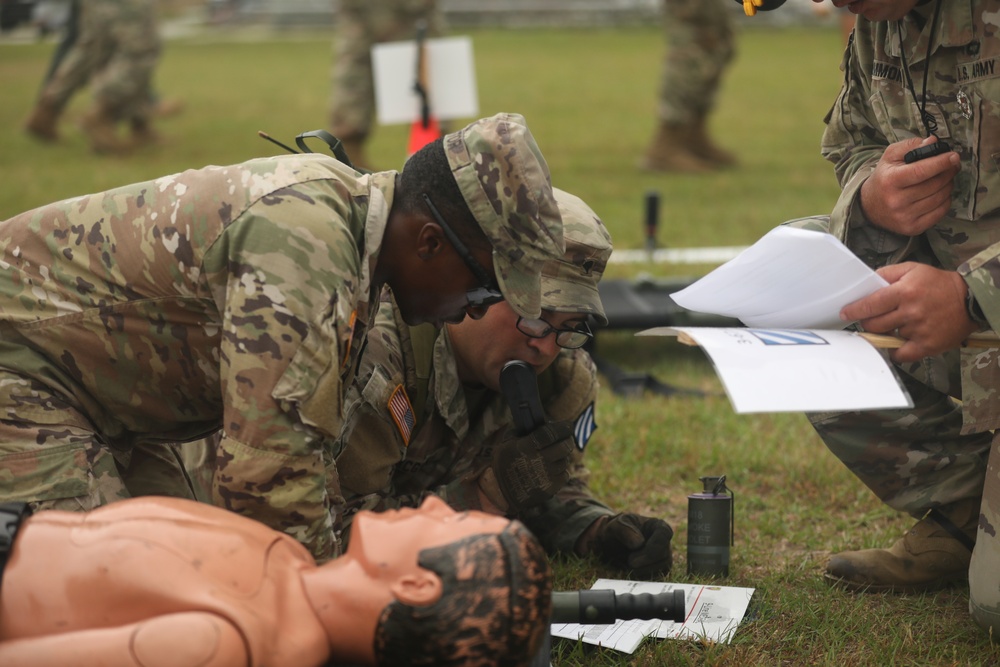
(711, 528)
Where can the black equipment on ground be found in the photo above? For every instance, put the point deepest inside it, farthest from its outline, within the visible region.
(602, 607)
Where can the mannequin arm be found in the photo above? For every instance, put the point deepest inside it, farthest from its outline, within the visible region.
(191, 638)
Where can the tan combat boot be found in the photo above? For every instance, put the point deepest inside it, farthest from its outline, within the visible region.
(42, 121)
(933, 554)
(101, 129)
(705, 148)
(671, 150)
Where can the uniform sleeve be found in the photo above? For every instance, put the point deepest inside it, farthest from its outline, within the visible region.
(283, 275)
(854, 141)
(982, 275)
(562, 519)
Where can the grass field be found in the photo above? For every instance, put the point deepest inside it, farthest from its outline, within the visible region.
(589, 97)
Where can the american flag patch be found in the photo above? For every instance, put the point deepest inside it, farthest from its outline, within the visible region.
(402, 413)
(584, 427)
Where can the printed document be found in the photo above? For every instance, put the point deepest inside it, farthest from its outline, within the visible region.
(712, 613)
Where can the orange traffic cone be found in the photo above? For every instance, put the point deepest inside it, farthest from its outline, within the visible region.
(422, 133)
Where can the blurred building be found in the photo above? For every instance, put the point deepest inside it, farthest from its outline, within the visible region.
(508, 13)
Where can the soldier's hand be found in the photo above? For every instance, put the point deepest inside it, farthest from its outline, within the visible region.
(528, 470)
(633, 542)
(909, 199)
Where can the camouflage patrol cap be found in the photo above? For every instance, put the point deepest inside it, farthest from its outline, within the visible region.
(505, 182)
(569, 284)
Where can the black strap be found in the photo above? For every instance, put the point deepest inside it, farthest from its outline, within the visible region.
(938, 517)
(11, 516)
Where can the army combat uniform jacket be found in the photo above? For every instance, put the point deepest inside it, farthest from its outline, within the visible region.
(232, 298)
(412, 429)
(876, 107)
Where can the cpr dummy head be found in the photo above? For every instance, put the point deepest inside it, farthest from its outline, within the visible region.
(480, 596)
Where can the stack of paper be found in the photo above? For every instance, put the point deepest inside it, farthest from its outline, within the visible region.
(789, 288)
(791, 278)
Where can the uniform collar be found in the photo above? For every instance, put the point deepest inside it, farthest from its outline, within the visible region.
(955, 28)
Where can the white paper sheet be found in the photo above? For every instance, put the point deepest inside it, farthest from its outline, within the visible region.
(791, 278)
(806, 370)
(450, 73)
(713, 613)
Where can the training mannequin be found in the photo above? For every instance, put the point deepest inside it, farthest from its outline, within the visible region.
(163, 582)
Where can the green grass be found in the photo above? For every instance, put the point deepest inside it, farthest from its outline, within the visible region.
(589, 97)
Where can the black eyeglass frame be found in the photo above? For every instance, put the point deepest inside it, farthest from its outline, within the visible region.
(583, 329)
(480, 297)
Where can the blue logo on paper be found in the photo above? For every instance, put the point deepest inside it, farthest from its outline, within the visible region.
(788, 337)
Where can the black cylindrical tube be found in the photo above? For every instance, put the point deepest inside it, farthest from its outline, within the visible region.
(709, 529)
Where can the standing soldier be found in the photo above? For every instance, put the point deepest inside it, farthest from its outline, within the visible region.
(700, 45)
(116, 49)
(425, 414)
(237, 299)
(920, 76)
(360, 25)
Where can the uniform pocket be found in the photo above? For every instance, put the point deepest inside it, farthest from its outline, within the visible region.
(52, 473)
(986, 189)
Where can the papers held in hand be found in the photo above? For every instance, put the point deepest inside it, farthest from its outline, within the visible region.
(790, 279)
(789, 288)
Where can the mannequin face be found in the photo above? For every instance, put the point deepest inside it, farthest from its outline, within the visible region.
(480, 364)
(387, 544)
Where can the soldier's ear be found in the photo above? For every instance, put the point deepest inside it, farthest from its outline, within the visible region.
(417, 590)
(430, 240)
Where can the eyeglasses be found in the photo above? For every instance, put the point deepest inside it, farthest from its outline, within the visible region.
(480, 297)
(570, 339)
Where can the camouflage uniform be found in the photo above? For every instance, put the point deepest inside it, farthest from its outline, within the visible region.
(412, 428)
(116, 49)
(360, 25)
(227, 296)
(701, 45)
(935, 454)
(222, 295)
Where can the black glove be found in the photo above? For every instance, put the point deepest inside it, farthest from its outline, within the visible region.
(634, 542)
(527, 470)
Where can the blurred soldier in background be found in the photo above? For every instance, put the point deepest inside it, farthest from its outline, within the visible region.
(115, 48)
(700, 45)
(425, 415)
(360, 25)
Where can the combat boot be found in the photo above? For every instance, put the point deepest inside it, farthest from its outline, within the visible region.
(101, 129)
(933, 554)
(671, 150)
(705, 148)
(42, 122)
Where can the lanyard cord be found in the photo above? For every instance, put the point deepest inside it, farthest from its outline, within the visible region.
(930, 123)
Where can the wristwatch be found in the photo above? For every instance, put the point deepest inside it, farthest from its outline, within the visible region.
(11, 516)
